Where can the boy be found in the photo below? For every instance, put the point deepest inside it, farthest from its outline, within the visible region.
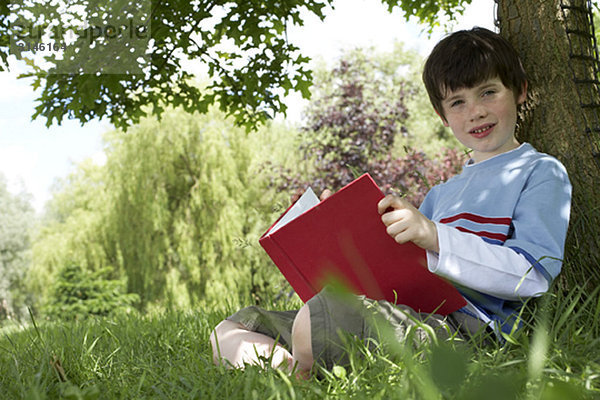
(496, 231)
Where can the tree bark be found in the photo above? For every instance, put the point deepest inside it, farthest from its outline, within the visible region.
(561, 115)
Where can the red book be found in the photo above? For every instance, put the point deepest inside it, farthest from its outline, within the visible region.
(342, 239)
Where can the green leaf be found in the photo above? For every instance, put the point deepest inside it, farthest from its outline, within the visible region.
(339, 371)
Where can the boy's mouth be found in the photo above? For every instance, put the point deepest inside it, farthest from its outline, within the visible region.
(482, 130)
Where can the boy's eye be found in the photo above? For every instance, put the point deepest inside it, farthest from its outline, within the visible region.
(489, 92)
(456, 103)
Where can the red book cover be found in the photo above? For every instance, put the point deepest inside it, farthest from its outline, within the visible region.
(342, 239)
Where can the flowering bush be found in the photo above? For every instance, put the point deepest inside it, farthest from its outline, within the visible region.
(358, 113)
(413, 175)
(410, 176)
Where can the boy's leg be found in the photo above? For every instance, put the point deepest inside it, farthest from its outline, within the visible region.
(234, 346)
(336, 317)
(315, 333)
(301, 341)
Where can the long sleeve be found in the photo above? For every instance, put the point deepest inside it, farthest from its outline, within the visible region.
(499, 271)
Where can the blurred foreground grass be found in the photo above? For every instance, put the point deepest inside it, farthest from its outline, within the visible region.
(167, 356)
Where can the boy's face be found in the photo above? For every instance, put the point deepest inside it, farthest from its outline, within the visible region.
(483, 117)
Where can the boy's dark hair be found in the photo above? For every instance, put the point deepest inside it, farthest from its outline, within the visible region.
(466, 58)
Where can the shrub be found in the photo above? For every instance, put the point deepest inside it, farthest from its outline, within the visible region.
(78, 293)
(357, 118)
(410, 176)
(414, 174)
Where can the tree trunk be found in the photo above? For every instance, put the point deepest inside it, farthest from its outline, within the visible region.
(562, 115)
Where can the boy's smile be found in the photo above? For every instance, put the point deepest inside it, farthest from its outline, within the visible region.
(482, 131)
(483, 117)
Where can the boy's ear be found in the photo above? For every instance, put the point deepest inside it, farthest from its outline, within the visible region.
(442, 118)
(523, 96)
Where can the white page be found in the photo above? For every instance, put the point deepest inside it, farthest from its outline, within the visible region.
(307, 201)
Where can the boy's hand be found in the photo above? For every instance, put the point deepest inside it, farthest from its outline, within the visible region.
(325, 194)
(407, 224)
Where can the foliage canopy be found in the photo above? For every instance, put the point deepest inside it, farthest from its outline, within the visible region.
(124, 60)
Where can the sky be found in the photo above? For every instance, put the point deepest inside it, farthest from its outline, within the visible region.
(32, 156)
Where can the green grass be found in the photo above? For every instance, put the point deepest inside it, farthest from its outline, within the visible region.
(167, 356)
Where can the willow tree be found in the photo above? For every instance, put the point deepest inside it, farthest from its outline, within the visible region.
(176, 211)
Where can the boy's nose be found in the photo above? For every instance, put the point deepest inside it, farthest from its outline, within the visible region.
(478, 111)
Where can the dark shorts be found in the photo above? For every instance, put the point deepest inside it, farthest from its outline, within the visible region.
(336, 317)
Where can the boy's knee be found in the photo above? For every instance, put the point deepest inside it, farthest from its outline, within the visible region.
(214, 335)
(301, 340)
(224, 327)
(218, 337)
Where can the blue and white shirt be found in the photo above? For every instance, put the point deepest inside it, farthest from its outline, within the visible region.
(502, 225)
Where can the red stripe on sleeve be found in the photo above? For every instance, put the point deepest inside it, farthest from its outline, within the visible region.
(477, 218)
(489, 235)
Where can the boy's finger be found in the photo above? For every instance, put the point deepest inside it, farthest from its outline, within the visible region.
(385, 203)
(325, 194)
(396, 228)
(390, 201)
(392, 216)
(399, 232)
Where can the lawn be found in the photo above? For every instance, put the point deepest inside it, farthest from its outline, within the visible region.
(167, 356)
